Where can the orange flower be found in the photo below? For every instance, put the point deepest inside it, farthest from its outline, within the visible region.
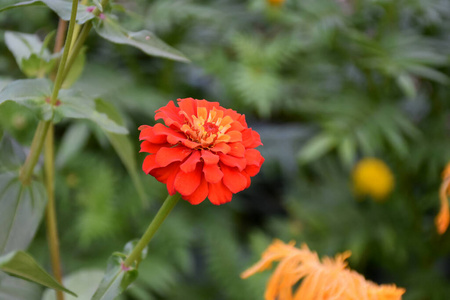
(443, 218)
(276, 3)
(326, 280)
(203, 151)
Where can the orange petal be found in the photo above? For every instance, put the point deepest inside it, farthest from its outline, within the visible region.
(213, 174)
(199, 194)
(233, 179)
(149, 164)
(160, 129)
(147, 134)
(250, 138)
(221, 147)
(209, 157)
(170, 115)
(235, 136)
(232, 161)
(442, 220)
(253, 157)
(189, 164)
(218, 193)
(188, 106)
(167, 176)
(237, 149)
(165, 155)
(150, 147)
(187, 183)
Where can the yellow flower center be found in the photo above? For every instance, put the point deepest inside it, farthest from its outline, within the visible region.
(207, 128)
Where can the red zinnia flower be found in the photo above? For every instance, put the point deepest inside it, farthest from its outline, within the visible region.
(206, 150)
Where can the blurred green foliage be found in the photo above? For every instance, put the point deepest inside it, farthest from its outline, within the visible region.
(325, 83)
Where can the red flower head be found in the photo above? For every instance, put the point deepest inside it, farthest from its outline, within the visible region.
(206, 150)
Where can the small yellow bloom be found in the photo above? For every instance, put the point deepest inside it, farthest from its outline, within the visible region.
(372, 177)
(320, 280)
(443, 218)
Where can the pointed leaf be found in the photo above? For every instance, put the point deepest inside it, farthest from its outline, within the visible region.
(22, 265)
(30, 53)
(73, 141)
(12, 155)
(316, 147)
(21, 210)
(31, 93)
(60, 7)
(84, 282)
(18, 289)
(123, 146)
(110, 30)
(76, 105)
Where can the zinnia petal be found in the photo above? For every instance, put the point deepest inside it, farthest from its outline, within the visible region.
(167, 175)
(233, 179)
(209, 157)
(218, 193)
(149, 164)
(189, 164)
(212, 173)
(170, 115)
(187, 183)
(166, 155)
(199, 194)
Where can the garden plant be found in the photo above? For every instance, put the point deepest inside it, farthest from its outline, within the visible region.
(301, 147)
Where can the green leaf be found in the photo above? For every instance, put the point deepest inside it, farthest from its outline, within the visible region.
(12, 155)
(316, 147)
(28, 92)
(61, 7)
(72, 142)
(406, 83)
(31, 93)
(22, 265)
(123, 146)
(21, 210)
(116, 279)
(83, 282)
(18, 289)
(110, 30)
(76, 105)
(347, 151)
(129, 248)
(71, 103)
(30, 53)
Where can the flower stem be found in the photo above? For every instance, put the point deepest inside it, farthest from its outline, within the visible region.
(61, 32)
(50, 218)
(77, 45)
(62, 63)
(35, 150)
(163, 212)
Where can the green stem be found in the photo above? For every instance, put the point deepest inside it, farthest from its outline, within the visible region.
(50, 218)
(62, 63)
(163, 212)
(76, 48)
(35, 151)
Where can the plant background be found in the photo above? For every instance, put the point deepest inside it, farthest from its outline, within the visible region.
(325, 83)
